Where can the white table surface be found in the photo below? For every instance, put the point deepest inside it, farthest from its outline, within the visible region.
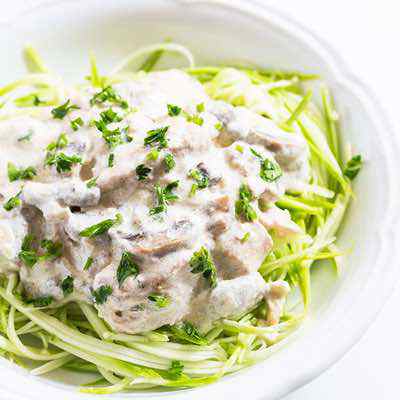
(367, 34)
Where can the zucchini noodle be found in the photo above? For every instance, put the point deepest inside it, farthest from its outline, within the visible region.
(72, 336)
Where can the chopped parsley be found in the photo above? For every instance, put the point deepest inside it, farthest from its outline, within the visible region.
(15, 173)
(101, 294)
(76, 123)
(187, 332)
(61, 111)
(43, 301)
(173, 110)
(111, 160)
(164, 197)
(270, 171)
(101, 227)
(153, 155)
(67, 285)
(175, 370)
(245, 237)
(26, 137)
(88, 263)
(12, 202)
(63, 162)
(27, 255)
(196, 119)
(60, 143)
(160, 300)
(200, 107)
(142, 172)
(243, 207)
(108, 94)
(239, 148)
(169, 162)
(126, 268)
(218, 126)
(91, 183)
(201, 262)
(109, 116)
(53, 249)
(157, 136)
(353, 167)
(200, 175)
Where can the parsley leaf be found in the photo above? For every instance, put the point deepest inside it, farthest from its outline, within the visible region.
(109, 116)
(142, 172)
(109, 94)
(101, 294)
(88, 263)
(12, 202)
(188, 333)
(91, 182)
(111, 160)
(160, 300)
(126, 268)
(53, 249)
(200, 107)
(173, 110)
(157, 136)
(353, 167)
(164, 197)
(61, 111)
(15, 173)
(27, 255)
(175, 370)
(196, 119)
(270, 171)
(101, 227)
(200, 175)
(243, 207)
(169, 162)
(60, 143)
(67, 285)
(26, 137)
(201, 262)
(63, 162)
(76, 123)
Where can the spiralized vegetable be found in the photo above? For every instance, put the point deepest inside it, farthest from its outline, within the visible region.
(80, 341)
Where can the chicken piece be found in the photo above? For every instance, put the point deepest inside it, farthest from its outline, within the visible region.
(229, 299)
(275, 298)
(235, 255)
(132, 307)
(280, 222)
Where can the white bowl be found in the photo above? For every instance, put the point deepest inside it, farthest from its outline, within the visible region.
(65, 32)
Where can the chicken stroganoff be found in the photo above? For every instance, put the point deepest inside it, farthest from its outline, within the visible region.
(154, 223)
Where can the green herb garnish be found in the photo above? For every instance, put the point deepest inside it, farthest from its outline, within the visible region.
(67, 285)
(108, 94)
(160, 300)
(111, 160)
(88, 263)
(15, 173)
(200, 107)
(39, 302)
(243, 207)
(175, 370)
(101, 227)
(164, 197)
(353, 167)
(270, 171)
(61, 111)
(201, 262)
(169, 162)
(157, 136)
(27, 255)
(77, 123)
(91, 182)
(173, 110)
(200, 175)
(63, 162)
(26, 137)
(126, 268)
(142, 172)
(60, 143)
(12, 202)
(53, 249)
(101, 294)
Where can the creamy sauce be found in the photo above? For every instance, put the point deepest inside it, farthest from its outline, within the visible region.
(59, 205)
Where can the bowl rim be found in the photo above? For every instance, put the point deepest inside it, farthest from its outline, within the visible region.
(344, 76)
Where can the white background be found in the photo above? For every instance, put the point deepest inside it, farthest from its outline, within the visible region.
(367, 34)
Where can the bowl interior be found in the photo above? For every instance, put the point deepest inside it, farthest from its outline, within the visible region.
(66, 31)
